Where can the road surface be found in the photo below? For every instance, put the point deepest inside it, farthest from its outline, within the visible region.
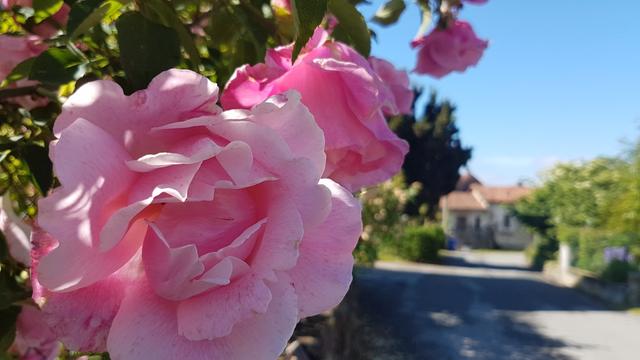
(485, 305)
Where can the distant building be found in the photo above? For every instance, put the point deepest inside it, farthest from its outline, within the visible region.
(477, 216)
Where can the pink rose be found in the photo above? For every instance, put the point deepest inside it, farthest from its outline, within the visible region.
(345, 96)
(34, 339)
(14, 50)
(285, 5)
(476, 2)
(397, 81)
(8, 4)
(453, 49)
(16, 232)
(186, 232)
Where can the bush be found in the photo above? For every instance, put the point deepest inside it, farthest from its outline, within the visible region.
(541, 250)
(383, 218)
(591, 245)
(421, 243)
(617, 271)
(591, 254)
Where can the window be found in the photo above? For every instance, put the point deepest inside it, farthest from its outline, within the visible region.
(477, 223)
(461, 222)
(507, 221)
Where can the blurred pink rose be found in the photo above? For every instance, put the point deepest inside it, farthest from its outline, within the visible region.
(14, 50)
(345, 96)
(453, 49)
(34, 339)
(185, 232)
(49, 27)
(8, 4)
(476, 2)
(281, 4)
(397, 81)
(16, 232)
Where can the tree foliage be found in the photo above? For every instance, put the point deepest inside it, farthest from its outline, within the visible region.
(435, 156)
(591, 206)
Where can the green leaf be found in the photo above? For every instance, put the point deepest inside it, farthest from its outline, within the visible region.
(86, 14)
(8, 319)
(222, 25)
(146, 48)
(44, 9)
(55, 66)
(37, 158)
(352, 24)
(166, 15)
(307, 15)
(389, 12)
(21, 71)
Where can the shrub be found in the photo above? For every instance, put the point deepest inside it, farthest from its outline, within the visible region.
(383, 218)
(542, 249)
(608, 254)
(617, 271)
(421, 243)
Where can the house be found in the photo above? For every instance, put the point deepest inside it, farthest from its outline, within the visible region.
(477, 215)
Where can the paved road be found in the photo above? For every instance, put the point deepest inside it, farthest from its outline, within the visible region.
(486, 306)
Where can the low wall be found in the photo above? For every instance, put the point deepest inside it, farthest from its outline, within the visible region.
(619, 295)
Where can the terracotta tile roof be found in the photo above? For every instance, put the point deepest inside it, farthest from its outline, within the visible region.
(501, 194)
(461, 200)
(465, 181)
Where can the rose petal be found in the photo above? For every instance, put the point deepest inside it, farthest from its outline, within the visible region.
(323, 273)
(213, 315)
(147, 327)
(173, 95)
(75, 211)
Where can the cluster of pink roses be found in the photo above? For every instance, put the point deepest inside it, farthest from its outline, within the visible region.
(451, 46)
(185, 231)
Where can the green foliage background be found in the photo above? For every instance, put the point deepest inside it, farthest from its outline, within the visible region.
(590, 206)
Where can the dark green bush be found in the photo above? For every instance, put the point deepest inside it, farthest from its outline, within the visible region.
(421, 243)
(617, 271)
(541, 250)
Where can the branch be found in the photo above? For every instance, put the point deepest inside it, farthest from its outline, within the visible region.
(19, 91)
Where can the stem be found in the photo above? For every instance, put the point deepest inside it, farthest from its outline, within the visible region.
(20, 91)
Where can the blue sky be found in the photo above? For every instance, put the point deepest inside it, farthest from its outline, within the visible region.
(560, 81)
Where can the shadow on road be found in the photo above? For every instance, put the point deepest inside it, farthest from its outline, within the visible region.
(436, 316)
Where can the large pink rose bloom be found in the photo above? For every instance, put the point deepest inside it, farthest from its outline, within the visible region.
(397, 81)
(185, 232)
(346, 97)
(453, 49)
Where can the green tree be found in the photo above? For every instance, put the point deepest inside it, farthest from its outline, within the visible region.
(435, 154)
(624, 212)
(589, 205)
